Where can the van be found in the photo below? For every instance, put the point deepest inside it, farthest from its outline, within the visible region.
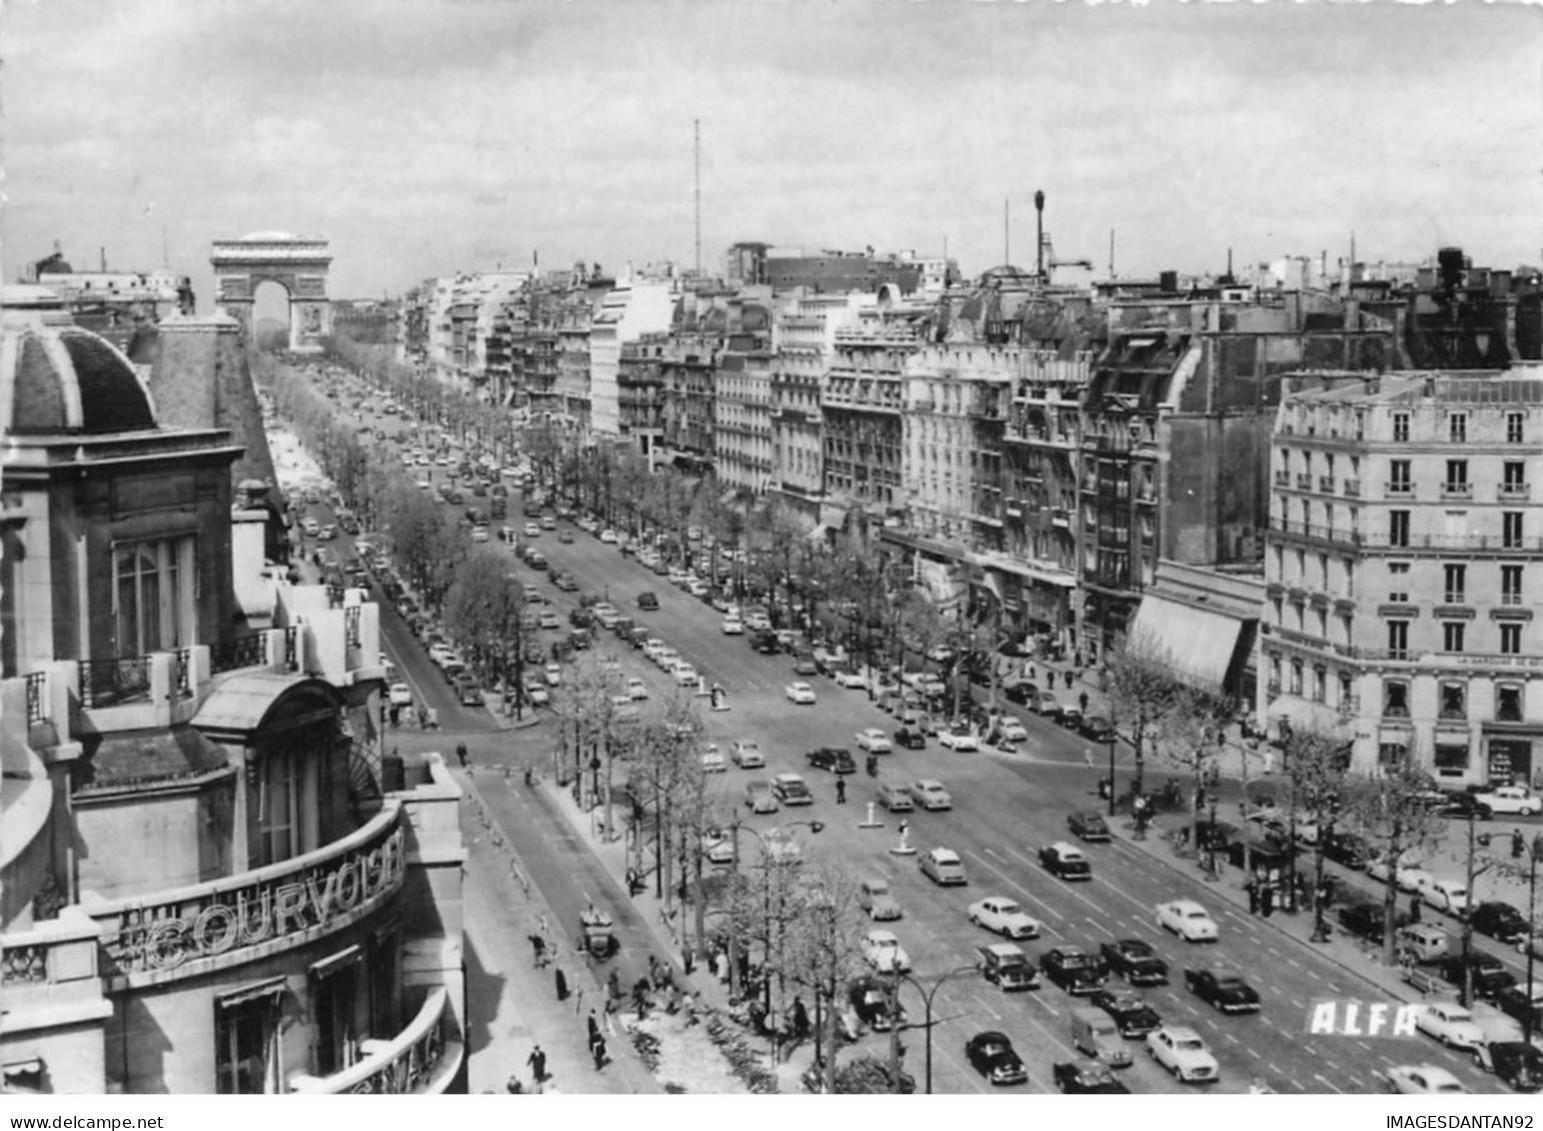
(1095, 1033)
(1426, 942)
(1007, 967)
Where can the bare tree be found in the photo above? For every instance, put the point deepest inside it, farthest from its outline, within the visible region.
(484, 610)
(1192, 738)
(1143, 692)
(1317, 763)
(825, 946)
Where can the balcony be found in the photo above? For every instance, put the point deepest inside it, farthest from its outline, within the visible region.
(1514, 492)
(1399, 488)
(196, 930)
(1326, 484)
(1304, 481)
(1457, 491)
(1283, 479)
(422, 1060)
(1352, 487)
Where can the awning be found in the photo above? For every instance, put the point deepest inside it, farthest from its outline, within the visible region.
(271, 989)
(336, 963)
(1199, 643)
(1304, 714)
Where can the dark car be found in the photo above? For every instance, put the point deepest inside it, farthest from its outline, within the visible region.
(1130, 1012)
(871, 1002)
(1136, 961)
(536, 560)
(1065, 861)
(579, 640)
(993, 1056)
(1490, 977)
(1021, 691)
(566, 582)
(1223, 989)
(648, 601)
(803, 664)
(1087, 1077)
(580, 618)
(1519, 1064)
(1461, 806)
(1364, 917)
(467, 691)
(1347, 849)
(1500, 921)
(1089, 826)
(1515, 1001)
(911, 739)
(1073, 969)
(832, 758)
(765, 642)
(1097, 728)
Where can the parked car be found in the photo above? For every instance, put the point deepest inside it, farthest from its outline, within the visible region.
(1450, 896)
(1005, 916)
(1449, 1023)
(1490, 977)
(1045, 703)
(1065, 861)
(993, 1056)
(1462, 806)
(1347, 849)
(1136, 961)
(1097, 728)
(1511, 799)
(1424, 942)
(1088, 826)
(1500, 921)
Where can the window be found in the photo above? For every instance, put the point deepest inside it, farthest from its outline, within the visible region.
(1296, 677)
(1453, 701)
(1510, 585)
(246, 1041)
(153, 595)
(1514, 477)
(1391, 755)
(1451, 759)
(1453, 633)
(1395, 699)
(1510, 639)
(1399, 482)
(1455, 592)
(1513, 427)
(334, 1005)
(1457, 428)
(1345, 694)
(1508, 703)
(1398, 582)
(1400, 427)
(1320, 685)
(1398, 639)
(1398, 528)
(1457, 477)
(1511, 530)
(1274, 675)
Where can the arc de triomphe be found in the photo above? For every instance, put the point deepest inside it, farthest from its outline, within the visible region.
(296, 263)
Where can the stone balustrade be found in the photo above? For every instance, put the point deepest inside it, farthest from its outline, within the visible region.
(423, 1059)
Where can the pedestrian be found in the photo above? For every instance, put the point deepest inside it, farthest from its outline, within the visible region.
(597, 1050)
(611, 1005)
(800, 1019)
(433, 719)
(654, 977)
(423, 717)
(613, 986)
(460, 752)
(1267, 900)
(841, 791)
(396, 715)
(538, 945)
(1414, 909)
(1082, 702)
(537, 1062)
(1069, 677)
(1518, 844)
(1253, 896)
(640, 997)
(562, 984)
(594, 1027)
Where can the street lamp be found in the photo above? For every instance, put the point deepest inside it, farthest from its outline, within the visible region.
(1532, 913)
(1112, 737)
(894, 1011)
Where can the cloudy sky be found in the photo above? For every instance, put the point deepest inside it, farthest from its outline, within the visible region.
(424, 137)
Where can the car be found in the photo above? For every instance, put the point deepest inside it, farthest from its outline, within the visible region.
(874, 741)
(536, 690)
(532, 530)
(1074, 969)
(479, 534)
(1136, 961)
(400, 695)
(1409, 876)
(648, 601)
(1045, 703)
(553, 674)
(636, 688)
(1188, 920)
(895, 798)
(849, 679)
(1004, 916)
(713, 761)
(1422, 1080)
(791, 789)
(733, 626)
(1129, 1011)
(1224, 989)
(959, 739)
(882, 951)
(1463, 806)
(565, 537)
(759, 796)
(1097, 728)
(1182, 1052)
(1500, 921)
(718, 849)
(800, 692)
(1347, 849)
(1065, 861)
(747, 754)
(943, 867)
(1364, 917)
(684, 674)
(666, 658)
(1088, 826)
(1005, 966)
(911, 738)
(875, 1004)
(1449, 1023)
(566, 582)
(468, 694)
(832, 758)
(1446, 895)
(608, 536)
(1517, 1063)
(1424, 942)
(1511, 799)
(876, 898)
(803, 663)
(929, 794)
(1011, 730)
(993, 1056)
(1489, 975)
(1086, 1077)
(536, 560)
(548, 522)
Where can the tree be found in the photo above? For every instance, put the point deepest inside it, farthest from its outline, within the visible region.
(484, 610)
(825, 945)
(423, 539)
(1143, 692)
(1192, 737)
(1316, 766)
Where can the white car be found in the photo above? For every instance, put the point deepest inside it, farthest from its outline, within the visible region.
(718, 849)
(652, 646)
(608, 536)
(1188, 920)
(747, 755)
(1005, 917)
(733, 626)
(636, 688)
(1511, 799)
(928, 793)
(401, 695)
(800, 692)
(959, 740)
(874, 741)
(1411, 877)
(713, 761)
(1180, 1051)
(1423, 1080)
(532, 530)
(666, 658)
(1445, 895)
(1451, 1024)
(1012, 730)
(553, 674)
(849, 679)
(549, 620)
(684, 674)
(882, 951)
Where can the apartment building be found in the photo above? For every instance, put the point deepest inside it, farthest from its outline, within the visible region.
(1402, 569)
(743, 433)
(624, 313)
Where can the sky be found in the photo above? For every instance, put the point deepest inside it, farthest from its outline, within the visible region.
(427, 137)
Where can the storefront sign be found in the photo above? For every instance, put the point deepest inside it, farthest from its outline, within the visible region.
(163, 938)
(1342, 1018)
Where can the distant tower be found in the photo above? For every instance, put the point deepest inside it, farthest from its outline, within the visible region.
(696, 126)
